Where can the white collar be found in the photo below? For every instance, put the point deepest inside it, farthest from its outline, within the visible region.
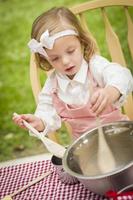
(80, 77)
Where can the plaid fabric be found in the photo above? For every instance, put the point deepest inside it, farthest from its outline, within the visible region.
(50, 188)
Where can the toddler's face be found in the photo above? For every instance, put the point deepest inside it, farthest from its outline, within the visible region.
(66, 55)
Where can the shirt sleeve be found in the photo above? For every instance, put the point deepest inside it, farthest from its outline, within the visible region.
(45, 109)
(113, 74)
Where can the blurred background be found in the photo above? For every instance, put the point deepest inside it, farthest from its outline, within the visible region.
(16, 18)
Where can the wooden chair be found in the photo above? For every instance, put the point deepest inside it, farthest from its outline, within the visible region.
(112, 41)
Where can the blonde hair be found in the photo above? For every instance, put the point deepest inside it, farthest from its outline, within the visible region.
(56, 20)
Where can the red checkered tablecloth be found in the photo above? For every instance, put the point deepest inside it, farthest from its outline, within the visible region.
(50, 188)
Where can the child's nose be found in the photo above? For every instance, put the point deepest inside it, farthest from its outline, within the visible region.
(65, 60)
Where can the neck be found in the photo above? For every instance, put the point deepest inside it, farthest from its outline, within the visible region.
(71, 76)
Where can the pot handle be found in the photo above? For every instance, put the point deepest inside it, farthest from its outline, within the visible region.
(125, 189)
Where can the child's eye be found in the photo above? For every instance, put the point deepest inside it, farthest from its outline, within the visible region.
(54, 59)
(71, 51)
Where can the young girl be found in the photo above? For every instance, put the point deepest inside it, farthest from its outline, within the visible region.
(82, 85)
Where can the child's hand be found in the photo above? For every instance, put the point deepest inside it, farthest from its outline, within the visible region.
(34, 121)
(102, 98)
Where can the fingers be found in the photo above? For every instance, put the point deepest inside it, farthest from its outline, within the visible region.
(99, 101)
(94, 98)
(18, 119)
(31, 119)
(96, 101)
(101, 107)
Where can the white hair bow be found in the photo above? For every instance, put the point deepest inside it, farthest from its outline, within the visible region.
(47, 41)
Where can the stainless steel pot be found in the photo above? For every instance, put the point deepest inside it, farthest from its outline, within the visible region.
(80, 159)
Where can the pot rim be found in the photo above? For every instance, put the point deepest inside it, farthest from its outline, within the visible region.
(105, 175)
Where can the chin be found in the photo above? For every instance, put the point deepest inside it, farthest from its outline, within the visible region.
(72, 73)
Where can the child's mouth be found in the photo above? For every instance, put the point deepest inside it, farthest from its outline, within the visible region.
(69, 69)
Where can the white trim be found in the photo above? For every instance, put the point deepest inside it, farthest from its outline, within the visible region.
(40, 157)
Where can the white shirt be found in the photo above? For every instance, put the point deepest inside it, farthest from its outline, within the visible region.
(104, 72)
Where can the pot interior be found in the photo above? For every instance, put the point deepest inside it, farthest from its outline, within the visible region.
(81, 157)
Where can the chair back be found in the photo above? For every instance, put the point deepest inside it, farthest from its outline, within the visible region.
(111, 37)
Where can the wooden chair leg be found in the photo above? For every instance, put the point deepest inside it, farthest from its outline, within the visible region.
(52, 136)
